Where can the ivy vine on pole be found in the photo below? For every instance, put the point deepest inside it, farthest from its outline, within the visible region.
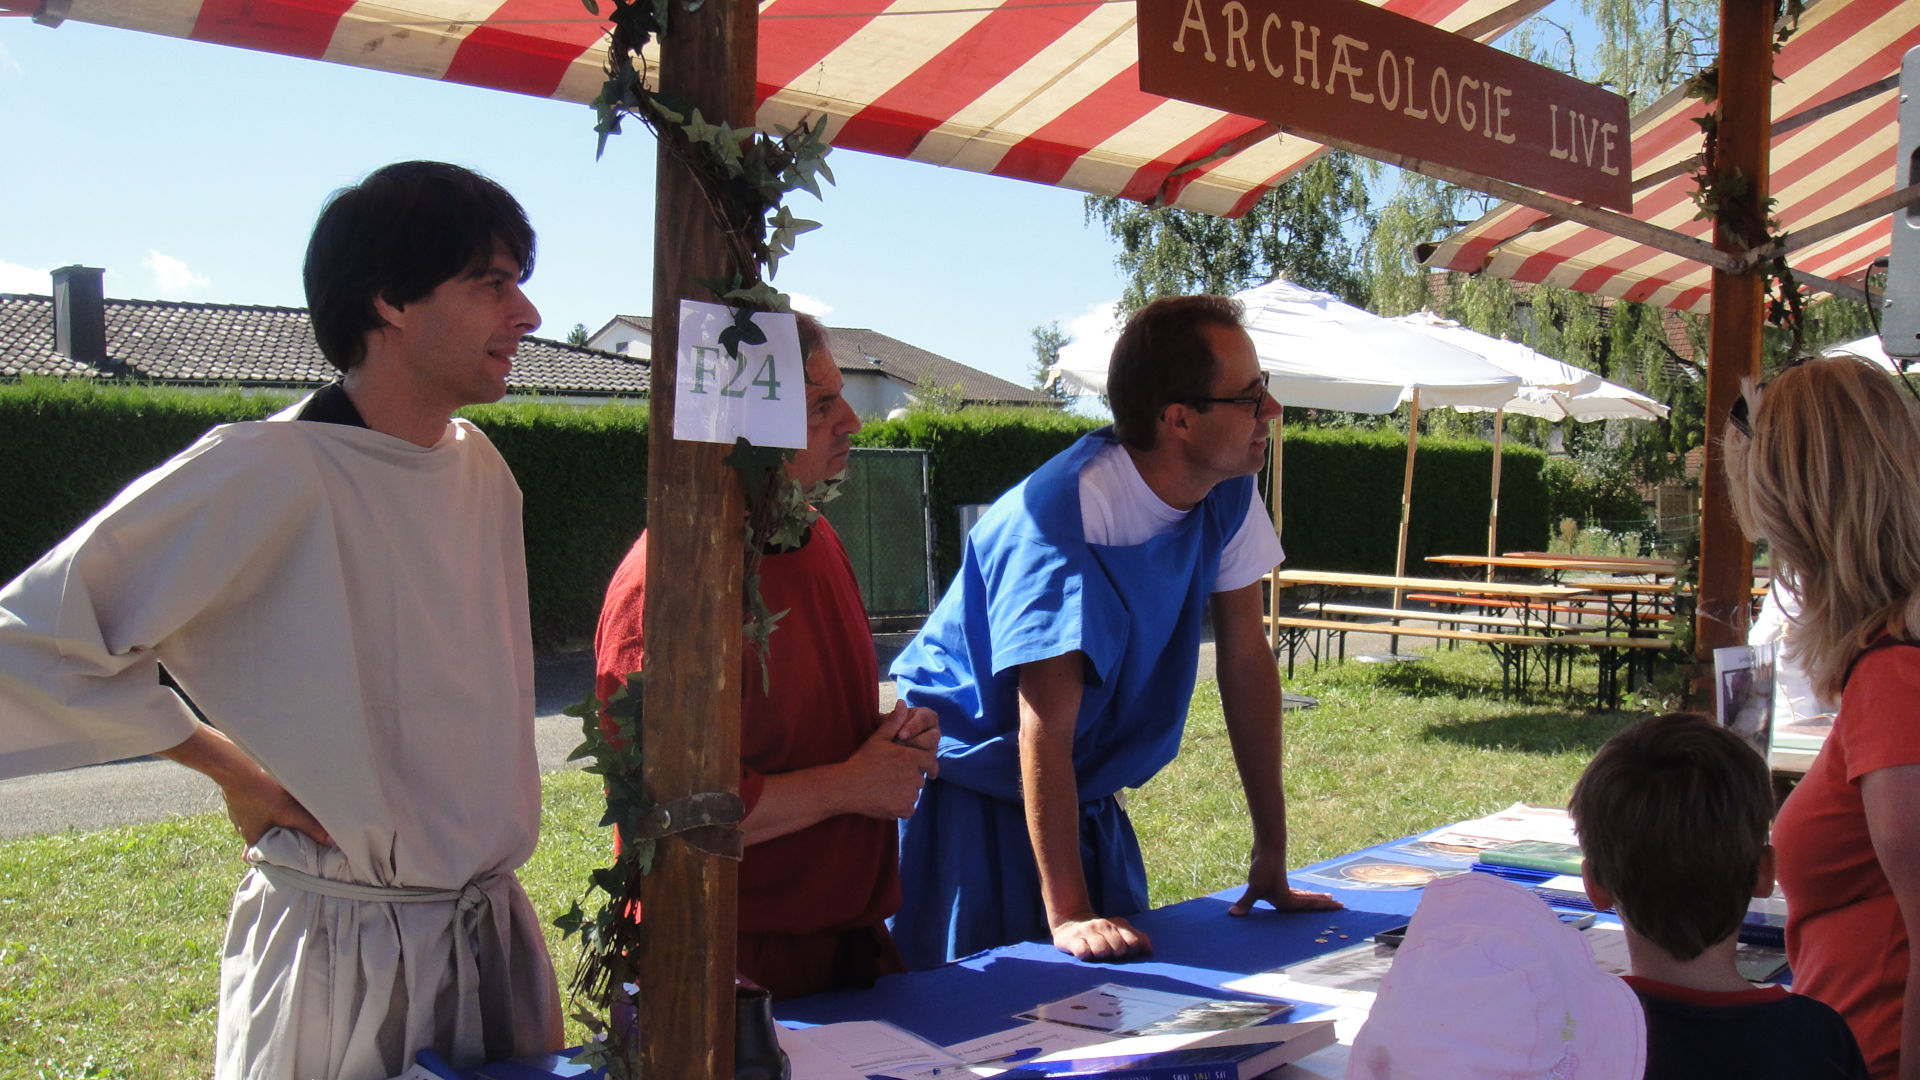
(1729, 201)
(745, 176)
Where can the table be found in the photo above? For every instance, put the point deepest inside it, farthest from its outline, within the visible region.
(1528, 594)
(1341, 579)
(1198, 949)
(1556, 565)
(1617, 654)
(1512, 649)
(1627, 563)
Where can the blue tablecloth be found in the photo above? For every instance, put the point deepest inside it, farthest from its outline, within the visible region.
(1197, 947)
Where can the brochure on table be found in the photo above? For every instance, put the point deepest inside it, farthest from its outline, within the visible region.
(1112, 1018)
(1442, 852)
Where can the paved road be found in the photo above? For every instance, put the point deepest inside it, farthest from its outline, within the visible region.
(149, 789)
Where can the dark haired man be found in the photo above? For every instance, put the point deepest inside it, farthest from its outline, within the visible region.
(1061, 660)
(824, 775)
(341, 589)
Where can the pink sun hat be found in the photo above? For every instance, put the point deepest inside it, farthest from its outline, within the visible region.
(1491, 985)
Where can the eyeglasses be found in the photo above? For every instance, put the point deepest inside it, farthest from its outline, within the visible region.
(1253, 401)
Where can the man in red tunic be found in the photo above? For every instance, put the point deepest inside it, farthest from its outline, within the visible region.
(824, 775)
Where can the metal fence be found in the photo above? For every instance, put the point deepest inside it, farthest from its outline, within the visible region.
(882, 515)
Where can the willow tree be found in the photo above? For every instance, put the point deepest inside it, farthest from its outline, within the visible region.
(1309, 228)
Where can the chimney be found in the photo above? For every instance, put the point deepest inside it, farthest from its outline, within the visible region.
(80, 314)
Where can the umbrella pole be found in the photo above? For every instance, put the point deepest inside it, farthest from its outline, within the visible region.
(1406, 493)
(1273, 509)
(1493, 520)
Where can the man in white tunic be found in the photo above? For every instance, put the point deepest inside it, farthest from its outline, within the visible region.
(341, 589)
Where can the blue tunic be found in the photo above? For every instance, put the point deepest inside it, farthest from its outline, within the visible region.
(1031, 588)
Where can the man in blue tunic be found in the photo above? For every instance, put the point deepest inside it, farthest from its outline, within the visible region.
(1062, 658)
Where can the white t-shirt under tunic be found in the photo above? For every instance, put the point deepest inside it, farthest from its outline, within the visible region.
(1118, 509)
(351, 610)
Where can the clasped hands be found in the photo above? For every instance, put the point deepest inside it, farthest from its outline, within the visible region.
(890, 767)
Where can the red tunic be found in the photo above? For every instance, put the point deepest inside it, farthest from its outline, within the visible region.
(801, 892)
(1846, 939)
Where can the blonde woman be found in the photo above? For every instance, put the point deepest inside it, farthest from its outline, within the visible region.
(1824, 464)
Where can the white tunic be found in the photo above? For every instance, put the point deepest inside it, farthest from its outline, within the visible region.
(1118, 509)
(351, 610)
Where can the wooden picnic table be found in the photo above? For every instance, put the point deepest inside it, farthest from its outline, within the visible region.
(1546, 641)
(1527, 595)
(1560, 564)
(1626, 563)
(1513, 590)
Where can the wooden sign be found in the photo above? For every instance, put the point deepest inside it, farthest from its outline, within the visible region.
(1347, 71)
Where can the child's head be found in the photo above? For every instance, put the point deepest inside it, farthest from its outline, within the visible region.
(1672, 815)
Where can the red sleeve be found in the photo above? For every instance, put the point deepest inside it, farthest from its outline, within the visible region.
(619, 646)
(1881, 707)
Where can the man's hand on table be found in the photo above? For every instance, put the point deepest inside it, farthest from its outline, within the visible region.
(1267, 880)
(1091, 937)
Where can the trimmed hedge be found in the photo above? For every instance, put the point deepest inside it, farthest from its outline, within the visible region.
(70, 445)
(1340, 494)
(583, 482)
(1340, 499)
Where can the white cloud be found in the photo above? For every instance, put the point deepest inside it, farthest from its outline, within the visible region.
(8, 65)
(809, 305)
(171, 276)
(24, 279)
(1098, 321)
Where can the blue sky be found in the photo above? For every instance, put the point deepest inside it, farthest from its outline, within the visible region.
(193, 172)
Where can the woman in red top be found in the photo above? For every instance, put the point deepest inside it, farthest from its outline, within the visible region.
(1827, 471)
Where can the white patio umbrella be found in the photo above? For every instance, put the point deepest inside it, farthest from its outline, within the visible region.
(1321, 353)
(1554, 390)
(1870, 347)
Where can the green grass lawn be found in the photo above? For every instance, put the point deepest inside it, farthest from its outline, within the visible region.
(110, 941)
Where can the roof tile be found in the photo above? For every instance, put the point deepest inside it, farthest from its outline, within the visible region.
(192, 343)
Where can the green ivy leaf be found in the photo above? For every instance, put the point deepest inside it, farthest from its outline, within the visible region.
(721, 288)
(762, 295)
(667, 111)
(698, 130)
(752, 461)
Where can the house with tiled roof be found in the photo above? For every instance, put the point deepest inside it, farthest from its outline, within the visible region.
(78, 332)
(881, 372)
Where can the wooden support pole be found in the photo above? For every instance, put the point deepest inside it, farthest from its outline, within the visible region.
(1726, 558)
(1406, 491)
(1493, 516)
(693, 610)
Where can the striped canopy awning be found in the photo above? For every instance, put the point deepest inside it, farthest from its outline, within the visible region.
(1834, 129)
(1040, 90)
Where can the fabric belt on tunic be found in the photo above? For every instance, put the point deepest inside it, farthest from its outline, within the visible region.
(480, 957)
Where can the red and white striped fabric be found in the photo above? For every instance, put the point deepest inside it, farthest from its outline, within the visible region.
(1040, 90)
(1819, 169)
